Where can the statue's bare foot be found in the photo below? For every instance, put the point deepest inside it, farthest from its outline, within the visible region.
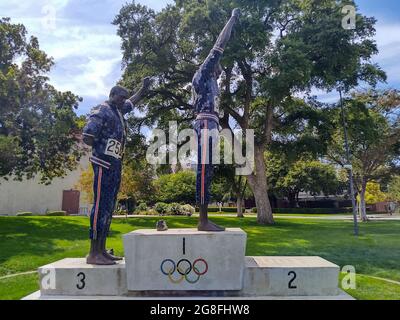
(209, 226)
(99, 259)
(110, 255)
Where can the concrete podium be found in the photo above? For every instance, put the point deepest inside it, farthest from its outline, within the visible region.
(185, 259)
(186, 263)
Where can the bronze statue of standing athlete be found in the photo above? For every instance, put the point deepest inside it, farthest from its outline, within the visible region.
(205, 94)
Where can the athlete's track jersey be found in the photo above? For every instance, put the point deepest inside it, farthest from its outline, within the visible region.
(107, 126)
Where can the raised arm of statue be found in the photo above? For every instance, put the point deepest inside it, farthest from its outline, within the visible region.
(225, 34)
(141, 92)
(132, 101)
(211, 64)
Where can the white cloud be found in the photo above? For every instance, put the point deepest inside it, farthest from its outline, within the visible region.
(388, 40)
(386, 34)
(87, 52)
(90, 79)
(87, 57)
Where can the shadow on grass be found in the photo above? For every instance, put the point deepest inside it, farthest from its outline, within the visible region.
(29, 236)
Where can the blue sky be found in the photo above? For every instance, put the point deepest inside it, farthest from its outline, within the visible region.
(86, 49)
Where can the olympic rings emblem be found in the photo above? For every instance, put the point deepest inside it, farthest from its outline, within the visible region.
(184, 268)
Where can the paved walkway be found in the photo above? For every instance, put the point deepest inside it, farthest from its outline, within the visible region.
(383, 279)
(17, 274)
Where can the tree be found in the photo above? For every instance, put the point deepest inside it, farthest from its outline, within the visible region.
(373, 124)
(373, 193)
(394, 189)
(236, 186)
(288, 179)
(279, 48)
(176, 187)
(85, 184)
(136, 183)
(38, 125)
(219, 189)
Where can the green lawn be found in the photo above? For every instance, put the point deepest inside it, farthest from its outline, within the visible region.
(29, 242)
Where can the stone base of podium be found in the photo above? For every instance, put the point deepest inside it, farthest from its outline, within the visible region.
(185, 259)
(38, 296)
(267, 278)
(186, 263)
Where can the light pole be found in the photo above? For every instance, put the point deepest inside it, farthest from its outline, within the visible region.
(348, 165)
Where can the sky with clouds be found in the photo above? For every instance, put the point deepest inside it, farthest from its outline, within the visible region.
(79, 35)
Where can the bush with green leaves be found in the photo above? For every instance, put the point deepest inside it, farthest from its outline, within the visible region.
(150, 212)
(56, 213)
(309, 210)
(121, 212)
(223, 209)
(188, 210)
(161, 208)
(141, 207)
(24, 214)
(175, 208)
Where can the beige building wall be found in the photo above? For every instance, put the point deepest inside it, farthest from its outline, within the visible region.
(31, 196)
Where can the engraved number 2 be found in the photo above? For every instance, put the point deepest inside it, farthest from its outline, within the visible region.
(290, 285)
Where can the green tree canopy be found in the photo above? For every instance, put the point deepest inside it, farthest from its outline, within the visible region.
(394, 188)
(278, 49)
(38, 125)
(176, 187)
(288, 178)
(373, 124)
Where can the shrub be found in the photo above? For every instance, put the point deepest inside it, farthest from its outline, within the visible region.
(24, 214)
(56, 213)
(309, 210)
(142, 206)
(223, 209)
(121, 212)
(188, 210)
(161, 208)
(175, 208)
(150, 212)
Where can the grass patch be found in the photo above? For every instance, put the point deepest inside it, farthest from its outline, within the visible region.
(29, 242)
(368, 288)
(18, 287)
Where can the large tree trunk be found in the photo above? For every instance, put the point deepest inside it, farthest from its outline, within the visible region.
(358, 208)
(362, 201)
(239, 205)
(258, 184)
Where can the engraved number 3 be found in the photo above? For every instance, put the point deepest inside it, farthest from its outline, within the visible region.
(82, 283)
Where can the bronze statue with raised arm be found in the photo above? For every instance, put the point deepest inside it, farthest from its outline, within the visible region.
(205, 97)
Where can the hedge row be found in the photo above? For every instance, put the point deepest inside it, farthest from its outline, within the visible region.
(309, 210)
(223, 209)
(56, 213)
(49, 213)
(24, 214)
(162, 208)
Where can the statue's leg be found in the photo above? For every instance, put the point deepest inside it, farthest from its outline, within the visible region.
(98, 217)
(199, 167)
(204, 176)
(114, 188)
